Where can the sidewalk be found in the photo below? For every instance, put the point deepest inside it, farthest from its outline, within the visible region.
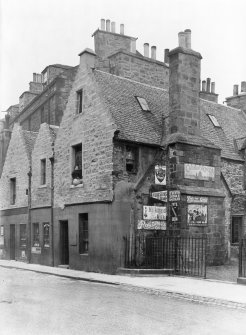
(197, 290)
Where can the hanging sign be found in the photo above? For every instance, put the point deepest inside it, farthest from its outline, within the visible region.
(200, 172)
(152, 225)
(162, 195)
(174, 195)
(154, 213)
(160, 175)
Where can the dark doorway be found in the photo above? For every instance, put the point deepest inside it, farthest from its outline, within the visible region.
(236, 229)
(12, 241)
(64, 242)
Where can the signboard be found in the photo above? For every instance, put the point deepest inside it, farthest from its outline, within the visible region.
(23, 253)
(160, 175)
(152, 225)
(36, 250)
(192, 199)
(174, 195)
(200, 172)
(174, 211)
(162, 195)
(154, 213)
(197, 214)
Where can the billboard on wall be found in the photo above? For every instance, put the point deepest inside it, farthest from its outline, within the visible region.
(162, 195)
(154, 213)
(152, 225)
(160, 175)
(200, 172)
(197, 214)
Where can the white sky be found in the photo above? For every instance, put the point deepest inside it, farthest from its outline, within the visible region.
(36, 33)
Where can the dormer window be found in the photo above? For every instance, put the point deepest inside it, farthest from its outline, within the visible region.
(214, 120)
(131, 159)
(77, 177)
(143, 104)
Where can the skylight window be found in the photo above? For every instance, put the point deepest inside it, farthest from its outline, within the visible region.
(214, 120)
(143, 104)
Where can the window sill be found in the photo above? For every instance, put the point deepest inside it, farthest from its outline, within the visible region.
(77, 186)
(42, 186)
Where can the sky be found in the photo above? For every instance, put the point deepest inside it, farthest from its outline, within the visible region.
(37, 33)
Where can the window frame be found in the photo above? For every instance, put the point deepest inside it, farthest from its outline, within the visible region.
(79, 101)
(46, 236)
(43, 171)
(13, 191)
(77, 169)
(239, 229)
(214, 120)
(143, 103)
(35, 235)
(23, 237)
(83, 234)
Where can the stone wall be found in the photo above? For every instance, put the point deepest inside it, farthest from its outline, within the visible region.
(238, 101)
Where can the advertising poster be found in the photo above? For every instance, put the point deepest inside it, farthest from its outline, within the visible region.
(200, 172)
(197, 214)
(160, 175)
(162, 195)
(152, 225)
(154, 213)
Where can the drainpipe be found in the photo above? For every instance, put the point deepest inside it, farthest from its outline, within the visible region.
(52, 159)
(29, 236)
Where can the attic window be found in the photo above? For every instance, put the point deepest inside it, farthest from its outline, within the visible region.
(214, 121)
(143, 104)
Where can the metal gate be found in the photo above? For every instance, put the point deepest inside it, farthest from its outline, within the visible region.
(242, 258)
(182, 255)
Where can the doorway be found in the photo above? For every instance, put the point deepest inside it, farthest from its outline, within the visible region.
(64, 248)
(12, 241)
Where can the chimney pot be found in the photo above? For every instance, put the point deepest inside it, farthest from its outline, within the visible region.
(146, 49)
(122, 29)
(166, 56)
(113, 27)
(133, 46)
(235, 89)
(107, 25)
(243, 86)
(188, 38)
(203, 85)
(213, 87)
(208, 85)
(153, 52)
(181, 36)
(102, 24)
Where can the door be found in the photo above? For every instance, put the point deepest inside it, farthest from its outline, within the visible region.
(64, 242)
(12, 241)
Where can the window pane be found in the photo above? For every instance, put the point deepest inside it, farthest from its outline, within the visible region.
(36, 242)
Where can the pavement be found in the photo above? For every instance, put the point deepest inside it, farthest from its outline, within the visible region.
(215, 292)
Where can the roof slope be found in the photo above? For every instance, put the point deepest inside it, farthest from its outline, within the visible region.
(134, 124)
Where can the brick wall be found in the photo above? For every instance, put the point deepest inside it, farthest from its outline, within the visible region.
(16, 166)
(93, 128)
(142, 69)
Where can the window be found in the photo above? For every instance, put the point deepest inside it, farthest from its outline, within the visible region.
(236, 229)
(131, 159)
(143, 104)
(46, 234)
(83, 234)
(12, 191)
(36, 242)
(214, 120)
(77, 164)
(23, 237)
(79, 101)
(43, 171)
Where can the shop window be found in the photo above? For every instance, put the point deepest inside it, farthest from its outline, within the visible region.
(77, 164)
(131, 159)
(23, 236)
(43, 171)
(46, 234)
(12, 191)
(83, 234)
(36, 237)
(79, 107)
(236, 229)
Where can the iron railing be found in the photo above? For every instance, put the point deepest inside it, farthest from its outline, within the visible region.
(182, 255)
(242, 258)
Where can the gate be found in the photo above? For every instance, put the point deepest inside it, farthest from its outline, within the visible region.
(182, 255)
(242, 258)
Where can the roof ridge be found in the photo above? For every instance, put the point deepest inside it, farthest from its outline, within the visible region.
(131, 80)
(216, 103)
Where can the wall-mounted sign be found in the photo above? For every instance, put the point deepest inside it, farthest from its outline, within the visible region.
(23, 253)
(200, 172)
(174, 195)
(154, 213)
(174, 211)
(195, 199)
(160, 175)
(152, 225)
(197, 214)
(36, 250)
(162, 195)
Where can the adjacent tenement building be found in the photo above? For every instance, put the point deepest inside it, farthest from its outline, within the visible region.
(133, 148)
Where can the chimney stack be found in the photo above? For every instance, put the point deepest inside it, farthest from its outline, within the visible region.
(166, 56)
(213, 87)
(203, 85)
(122, 29)
(112, 27)
(102, 24)
(235, 90)
(153, 52)
(146, 49)
(107, 25)
(208, 85)
(188, 38)
(182, 37)
(243, 86)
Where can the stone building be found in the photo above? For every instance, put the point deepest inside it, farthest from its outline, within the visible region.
(140, 149)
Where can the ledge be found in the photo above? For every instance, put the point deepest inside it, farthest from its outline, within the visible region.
(201, 191)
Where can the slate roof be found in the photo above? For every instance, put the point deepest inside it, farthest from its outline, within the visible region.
(134, 124)
(150, 127)
(29, 140)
